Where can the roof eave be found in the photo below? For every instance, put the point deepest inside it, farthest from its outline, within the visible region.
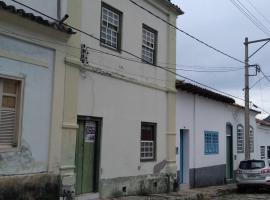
(176, 9)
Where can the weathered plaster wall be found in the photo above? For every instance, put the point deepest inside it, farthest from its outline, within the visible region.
(32, 155)
(133, 19)
(39, 186)
(123, 106)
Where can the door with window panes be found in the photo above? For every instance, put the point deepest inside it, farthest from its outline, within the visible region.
(9, 112)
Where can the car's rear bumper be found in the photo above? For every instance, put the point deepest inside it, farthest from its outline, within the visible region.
(264, 182)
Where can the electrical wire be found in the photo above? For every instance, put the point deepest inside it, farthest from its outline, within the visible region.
(167, 70)
(187, 34)
(258, 11)
(230, 69)
(250, 16)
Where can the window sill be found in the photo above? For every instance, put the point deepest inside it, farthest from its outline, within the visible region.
(147, 160)
(109, 47)
(8, 149)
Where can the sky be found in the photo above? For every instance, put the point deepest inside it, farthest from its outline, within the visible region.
(222, 25)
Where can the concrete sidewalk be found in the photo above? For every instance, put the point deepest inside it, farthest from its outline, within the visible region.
(189, 194)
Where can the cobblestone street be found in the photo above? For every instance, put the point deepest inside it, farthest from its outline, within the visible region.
(244, 197)
(249, 196)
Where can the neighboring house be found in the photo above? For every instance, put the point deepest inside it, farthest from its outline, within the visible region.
(210, 138)
(263, 141)
(32, 78)
(125, 107)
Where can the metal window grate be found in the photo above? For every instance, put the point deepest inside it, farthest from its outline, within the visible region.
(211, 142)
(240, 139)
(147, 150)
(262, 151)
(251, 139)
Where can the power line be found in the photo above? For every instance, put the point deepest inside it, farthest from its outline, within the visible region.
(189, 35)
(260, 13)
(230, 69)
(158, 66)
(250, 16)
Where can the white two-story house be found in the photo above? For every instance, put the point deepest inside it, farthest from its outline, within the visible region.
(125, 104)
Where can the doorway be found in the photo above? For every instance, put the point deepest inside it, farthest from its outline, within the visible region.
(88, 154)
(184, 157)
(229, 151)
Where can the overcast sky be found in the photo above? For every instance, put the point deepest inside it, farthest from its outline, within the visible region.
(222, 25)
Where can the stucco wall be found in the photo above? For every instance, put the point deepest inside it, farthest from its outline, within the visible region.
(263, 139)
(122, 107)
(199, 114)
(133, 19)
(32, 155)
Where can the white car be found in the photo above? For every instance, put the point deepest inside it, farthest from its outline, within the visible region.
(255, 173)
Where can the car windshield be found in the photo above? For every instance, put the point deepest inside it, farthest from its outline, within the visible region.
(252, 164)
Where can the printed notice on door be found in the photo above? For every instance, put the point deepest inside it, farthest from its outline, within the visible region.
(90, 132)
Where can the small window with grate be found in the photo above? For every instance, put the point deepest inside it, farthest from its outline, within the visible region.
(148, 141)
(10, 95)
(149, 45)
(251, 139)
(240, 139)
(262, 152)
(110, 34)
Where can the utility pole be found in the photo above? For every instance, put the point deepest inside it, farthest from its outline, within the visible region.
(247, 142)
(247, 75)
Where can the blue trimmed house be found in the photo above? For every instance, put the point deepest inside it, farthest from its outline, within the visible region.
(210, 136)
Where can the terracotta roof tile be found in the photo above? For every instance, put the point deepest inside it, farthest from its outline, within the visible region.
(34, 18)
(188, 87)
(175, 7)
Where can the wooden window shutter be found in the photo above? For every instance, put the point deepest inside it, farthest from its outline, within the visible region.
(8, 112)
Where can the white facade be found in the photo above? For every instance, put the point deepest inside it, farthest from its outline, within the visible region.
(124, 104)
(124, 93)
(197, 114)
(263, 140)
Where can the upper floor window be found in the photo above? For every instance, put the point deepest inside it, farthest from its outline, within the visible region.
(110, 34)
(211, 142)
(10, 97)
(149, 45)
(240, 139)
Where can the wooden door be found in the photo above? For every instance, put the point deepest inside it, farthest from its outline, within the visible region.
(87, 155)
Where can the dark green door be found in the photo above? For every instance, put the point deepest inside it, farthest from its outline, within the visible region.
(87, 155)
(229, 149)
